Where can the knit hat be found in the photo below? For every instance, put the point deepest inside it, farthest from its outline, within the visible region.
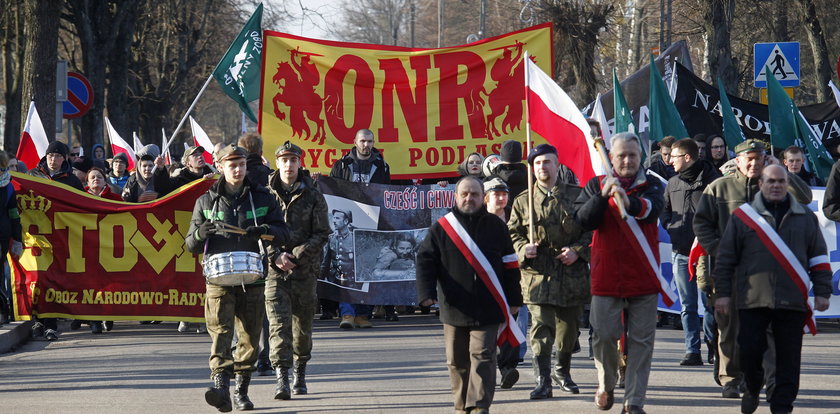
(121, 156)
(541, 149)
(511, 151)
(58, 147)
(148, 153)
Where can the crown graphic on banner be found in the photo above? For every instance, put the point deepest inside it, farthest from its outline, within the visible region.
(32, 202)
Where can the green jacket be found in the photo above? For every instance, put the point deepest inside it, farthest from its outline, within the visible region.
(546, 280)
(746, 270)
(305, 211)
(727, 193)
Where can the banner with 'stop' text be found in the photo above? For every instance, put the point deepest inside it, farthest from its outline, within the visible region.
(427, 108)
(86, 257)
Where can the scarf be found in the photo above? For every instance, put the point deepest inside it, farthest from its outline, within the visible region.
(5, 177)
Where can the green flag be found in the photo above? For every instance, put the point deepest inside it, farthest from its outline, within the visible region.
(240, 69)
(621, 111)
(664, 118)
(780, 109)
(788, 127)
(732, 133)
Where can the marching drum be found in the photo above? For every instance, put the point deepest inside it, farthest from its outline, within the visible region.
(233, 268)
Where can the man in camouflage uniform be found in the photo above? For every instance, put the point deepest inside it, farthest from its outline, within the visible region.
(555, 275)
(290, 297)
(338, 257)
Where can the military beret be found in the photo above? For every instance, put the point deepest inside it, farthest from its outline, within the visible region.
(750, 145)
(541, 149)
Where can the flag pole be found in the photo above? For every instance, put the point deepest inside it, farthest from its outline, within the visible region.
(528, 148)
(180, 124)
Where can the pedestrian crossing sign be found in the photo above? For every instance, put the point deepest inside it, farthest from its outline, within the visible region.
(783, 60)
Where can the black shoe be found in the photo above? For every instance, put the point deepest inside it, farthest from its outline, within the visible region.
(96, 327)
(282, 391)
(240, 393)
(109, 325)
(299, 379)
(264, 370)
(692, 360)
(392, 317)
(632, 409)
(75, 325)
(542, 373)
(730, 391)
(749, 403)
(327, 315)
(561, 374)
(509, 378)
(219, 394)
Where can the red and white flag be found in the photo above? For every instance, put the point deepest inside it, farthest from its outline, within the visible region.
(599, 115)
(165, 148)
(33, 141)
(553, 115)
(119, 145)
(137, 143)
(200, 138)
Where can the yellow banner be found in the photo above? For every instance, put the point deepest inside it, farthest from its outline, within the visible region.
(428, 108)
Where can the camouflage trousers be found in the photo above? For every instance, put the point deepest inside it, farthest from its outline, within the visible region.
(552, 325)
(290, 306)
(227, 308)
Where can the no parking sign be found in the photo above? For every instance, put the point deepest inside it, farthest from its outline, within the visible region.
(79, 96)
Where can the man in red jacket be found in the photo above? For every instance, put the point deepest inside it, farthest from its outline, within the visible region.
(624, 269)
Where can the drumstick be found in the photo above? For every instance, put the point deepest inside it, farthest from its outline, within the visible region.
(237, 230)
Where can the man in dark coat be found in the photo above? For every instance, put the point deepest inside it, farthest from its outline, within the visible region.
(681, 197)
(195, 167)
(363, 164)
(470, 313)
(258, 172)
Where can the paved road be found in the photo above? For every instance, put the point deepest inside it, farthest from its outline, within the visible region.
(394, 367)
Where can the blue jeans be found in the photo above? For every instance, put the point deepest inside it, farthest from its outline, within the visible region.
(522, 321)
(688, 299)
(354, 309)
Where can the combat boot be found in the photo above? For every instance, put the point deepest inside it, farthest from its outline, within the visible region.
(281, 390)
(561, 374)
(299, 383)
(240, 393)
(542, 373)
(219, 394)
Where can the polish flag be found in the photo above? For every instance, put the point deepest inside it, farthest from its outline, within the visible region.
(553, 115)
(599, 115)
(118, 145)
(33, 141)
(165, 148)
(200, 138)
(137, 143)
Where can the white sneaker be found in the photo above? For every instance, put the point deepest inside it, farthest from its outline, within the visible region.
(183, 326)
(202, 328)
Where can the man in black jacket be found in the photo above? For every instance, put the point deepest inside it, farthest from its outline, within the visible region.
(258, 172)
(470, 313)
(234, 200)
(364, 164)
(681, 197)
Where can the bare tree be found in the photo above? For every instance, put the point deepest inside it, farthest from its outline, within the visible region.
(819, 48)
(718, 22)
(39, 59)
(374, 21)
(11, 65)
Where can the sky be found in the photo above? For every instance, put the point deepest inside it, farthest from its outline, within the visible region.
(320, 14)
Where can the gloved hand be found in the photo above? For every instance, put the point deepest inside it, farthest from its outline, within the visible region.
(254, 232)
(206, 229)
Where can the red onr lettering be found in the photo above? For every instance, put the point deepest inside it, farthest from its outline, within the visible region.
(451, 92)
(414, 154)
(413, 107)
(362, 97)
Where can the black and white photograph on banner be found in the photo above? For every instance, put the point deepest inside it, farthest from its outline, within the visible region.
(387, 256)
(376, 228)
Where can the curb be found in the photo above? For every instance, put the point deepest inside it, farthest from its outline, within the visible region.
(14, 334)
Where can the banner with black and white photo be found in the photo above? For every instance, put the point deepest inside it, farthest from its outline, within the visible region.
(376, 230)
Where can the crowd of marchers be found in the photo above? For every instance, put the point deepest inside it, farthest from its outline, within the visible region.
(514, 264)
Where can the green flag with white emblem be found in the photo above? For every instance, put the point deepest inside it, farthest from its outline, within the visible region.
(732, 133)
(788, 127)
(664, 118)
(240, 69)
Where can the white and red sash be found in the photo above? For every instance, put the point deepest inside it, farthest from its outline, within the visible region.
(782, 253)
(509, 330)
(642, 248)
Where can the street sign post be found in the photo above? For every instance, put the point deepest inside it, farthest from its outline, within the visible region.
(79, 96)
(783, 60)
